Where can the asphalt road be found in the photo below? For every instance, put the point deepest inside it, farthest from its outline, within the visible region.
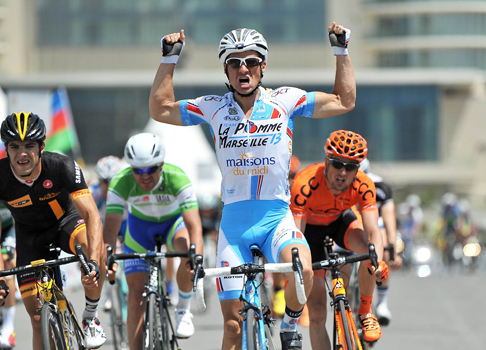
(442, 311)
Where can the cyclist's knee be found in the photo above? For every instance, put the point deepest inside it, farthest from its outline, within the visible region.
(232, 328)
(35, 320)
(317, 313)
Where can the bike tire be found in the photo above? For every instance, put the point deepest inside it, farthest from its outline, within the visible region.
(156, 335)
(76, 334)
(51, 329)
(118, 323)
(252, 339)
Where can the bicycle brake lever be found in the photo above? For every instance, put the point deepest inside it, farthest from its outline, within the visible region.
(297, 264)
(192, 256)
(82, 259)
(373, 258)
(198, 271)
(110, 260)
(392, 252)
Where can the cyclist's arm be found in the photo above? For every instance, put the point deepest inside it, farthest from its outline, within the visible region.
(370, 224)
(162, 105)
(111, 228)
(88, 210)
(390, 222)
(194, 226)
(343, 97)
(300, 223)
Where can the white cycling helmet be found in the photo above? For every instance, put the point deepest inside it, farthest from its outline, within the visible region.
(144, 150)
(365, 165)
(241, 40)
(107, 167)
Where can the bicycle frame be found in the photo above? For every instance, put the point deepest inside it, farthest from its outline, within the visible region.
(49, 291)
(155, 284)
(53, 294)
(345, 335)
(250, 295)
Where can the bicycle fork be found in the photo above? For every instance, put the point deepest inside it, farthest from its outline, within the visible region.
(342, 309)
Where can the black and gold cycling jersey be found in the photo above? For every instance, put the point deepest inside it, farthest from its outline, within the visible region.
(39, 207)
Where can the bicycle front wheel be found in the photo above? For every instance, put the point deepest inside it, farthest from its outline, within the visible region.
(118, 323)
(156, 333)
(75, 336)
(51, 328)
(252, 339)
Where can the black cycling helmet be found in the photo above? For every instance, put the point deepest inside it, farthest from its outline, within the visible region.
(23, 127)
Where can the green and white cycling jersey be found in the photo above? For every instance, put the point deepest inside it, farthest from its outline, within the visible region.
(172, 195)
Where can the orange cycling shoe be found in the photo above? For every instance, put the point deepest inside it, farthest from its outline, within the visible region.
(371, 327)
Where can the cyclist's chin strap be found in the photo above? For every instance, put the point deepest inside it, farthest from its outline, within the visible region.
(234, 91)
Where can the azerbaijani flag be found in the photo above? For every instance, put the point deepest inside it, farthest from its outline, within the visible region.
(3, 112)
(3, 152)
(62, 136)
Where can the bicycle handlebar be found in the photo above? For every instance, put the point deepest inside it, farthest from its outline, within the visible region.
(42, 264)
(82, 259)
(110, 257)
(329, 264)
(246, 269)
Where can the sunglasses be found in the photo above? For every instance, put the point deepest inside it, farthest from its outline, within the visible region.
(148, 171)
(339, 165)
(235, 62)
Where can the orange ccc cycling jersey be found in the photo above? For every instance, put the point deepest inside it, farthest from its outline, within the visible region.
(313, 201)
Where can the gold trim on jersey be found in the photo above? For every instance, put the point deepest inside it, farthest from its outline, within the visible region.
(21, 202)
(56, 208)
(74, 234)
(81, 193)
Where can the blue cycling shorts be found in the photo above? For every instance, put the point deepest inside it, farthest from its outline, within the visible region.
(269, 224)
(140, 238)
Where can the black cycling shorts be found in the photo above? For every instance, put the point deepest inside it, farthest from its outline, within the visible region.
(315, 234)
(34, 247)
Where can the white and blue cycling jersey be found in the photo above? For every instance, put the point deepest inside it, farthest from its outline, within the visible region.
(254, 158)
(253, 154)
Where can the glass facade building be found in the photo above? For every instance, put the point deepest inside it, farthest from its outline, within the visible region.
(400, 122)
(142, 22)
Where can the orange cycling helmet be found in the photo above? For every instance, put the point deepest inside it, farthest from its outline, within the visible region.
(346, 144)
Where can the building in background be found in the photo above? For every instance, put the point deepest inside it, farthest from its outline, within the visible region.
(420, 68)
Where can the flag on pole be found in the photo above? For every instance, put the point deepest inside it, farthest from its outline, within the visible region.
(62, 136)
(3, 114)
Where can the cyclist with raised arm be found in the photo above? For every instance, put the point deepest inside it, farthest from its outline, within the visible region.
(324, 199)
(51, 204)
(161, 201)
(387, 222)
(252, 129)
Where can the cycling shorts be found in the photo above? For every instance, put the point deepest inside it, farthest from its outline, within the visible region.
(338, 231)
(140, 238)
(31, 247)
(269, 224)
